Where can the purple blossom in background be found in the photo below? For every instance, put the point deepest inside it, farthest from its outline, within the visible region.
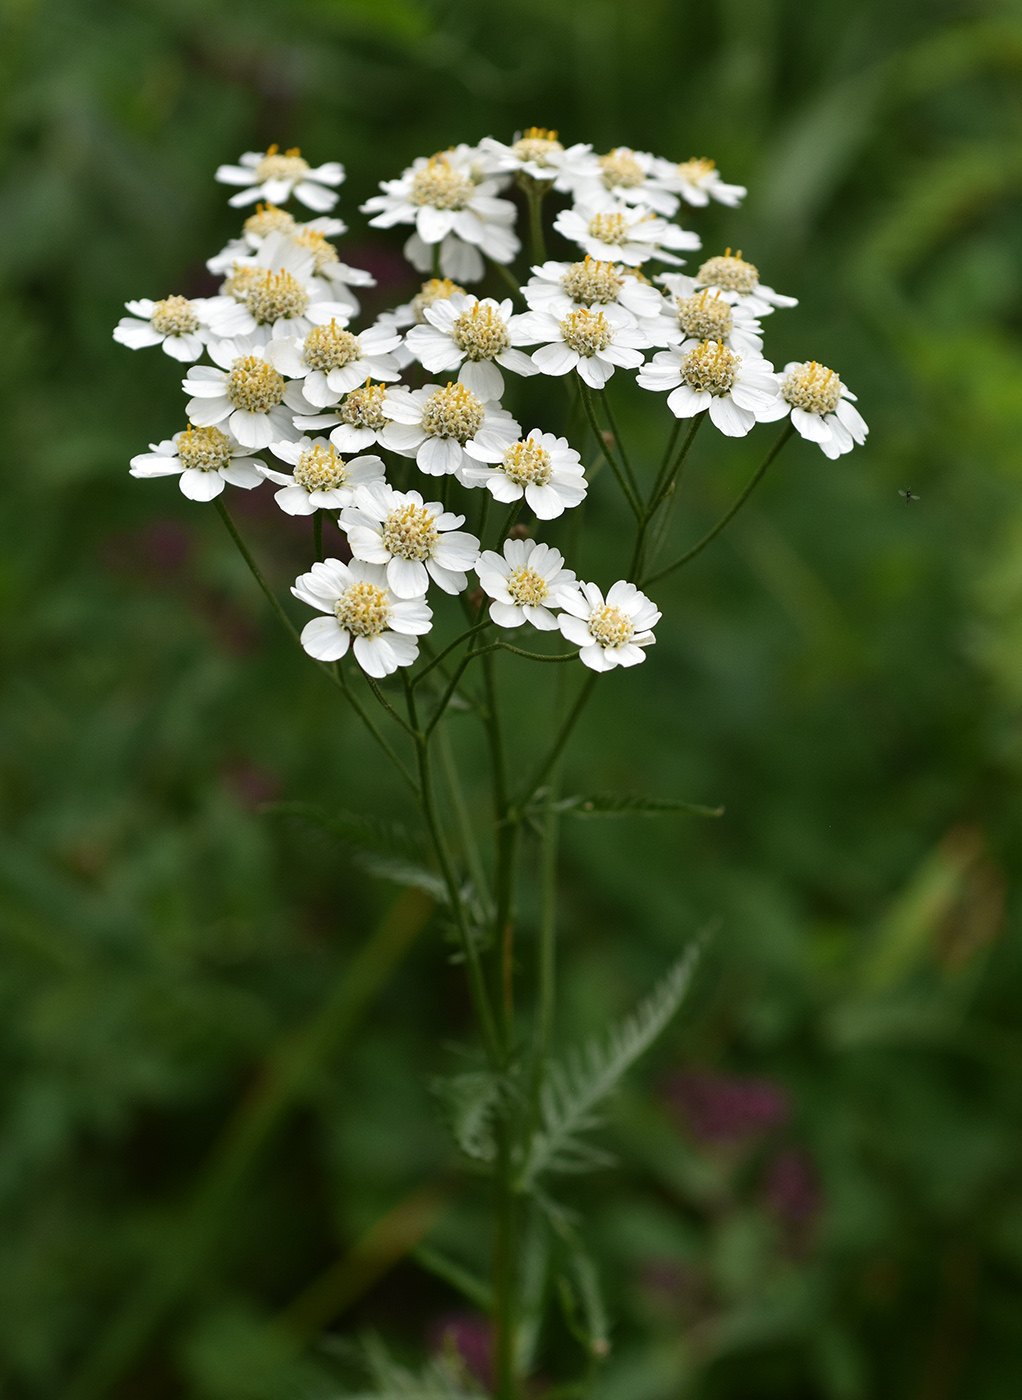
(471, 1336)
(726, 1107)
(792, 1191)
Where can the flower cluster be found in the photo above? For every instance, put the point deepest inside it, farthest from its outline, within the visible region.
(354, 416)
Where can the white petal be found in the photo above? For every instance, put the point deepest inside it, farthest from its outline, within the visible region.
(201, 486)
(325, 639)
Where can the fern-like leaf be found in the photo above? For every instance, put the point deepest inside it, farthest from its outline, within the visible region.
(573, 1090)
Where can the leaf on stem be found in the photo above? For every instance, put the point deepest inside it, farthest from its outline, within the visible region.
(609, 804)
(574, 1089)
(470, 1102)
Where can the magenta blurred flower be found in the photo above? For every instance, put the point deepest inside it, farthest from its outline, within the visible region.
(471, 1336)
(792, 1188)
(726, 1107)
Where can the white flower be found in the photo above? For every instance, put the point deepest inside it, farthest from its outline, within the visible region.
(206, 458)
(329, 278)
(592, 342)
(540, 467)
(525, 582)
(274, 177)
(822, 409)
(434, 424)
(560, 287)
(276, 293)
(698, 181)
(415, 540)
(255, 399)
(627, 235)
(175, 323)
(624, 176)
(536, 152)
(737, 280)
(331, 360)
(460, 261)
(706, 315)
(738, 390)
(357, 422)
(321, 479)
(443, 198)
(477, 335)
(361, 612)
(611, 633)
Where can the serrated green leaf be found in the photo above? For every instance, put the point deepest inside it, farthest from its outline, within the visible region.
(625, 805)
(384, 849)
(470, 1101)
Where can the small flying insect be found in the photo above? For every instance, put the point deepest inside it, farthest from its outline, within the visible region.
(909, 495)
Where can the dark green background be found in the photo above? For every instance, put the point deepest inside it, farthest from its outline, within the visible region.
(843, 673)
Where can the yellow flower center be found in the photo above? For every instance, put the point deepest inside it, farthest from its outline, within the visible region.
(812, 387)
(453, 412)
(537, 144)
(174, 316)
(591, 281)
(609, 228)
(527, 463)
(436, 289)
(409, 532)
(586, 331)
(330, 347)
(620, 167)
(288, 166)
(254, 385)
(481, 332)
(240, 280)
(363, 609)
(527, 587)
(275, 296)
(440, 185)
(611, 627)
(269, 219)
(706, 316)
(323, 251)
(206, 449)
(320, 469)
(363, 408)
(710, 368)
(695, 169)
(730, 273)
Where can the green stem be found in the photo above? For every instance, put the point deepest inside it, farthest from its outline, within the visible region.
(317, 535)
(587, 403)
(243, 549)
(557, 747)
(535, 195)
(509, 278)
(342, 685)
(473, 859)
(618, 442)
(666, 478)
(725, 519)
(504, 1271)
(436, 260)
(436, 660)
(388, 706)
(533, 655)
(509, 521)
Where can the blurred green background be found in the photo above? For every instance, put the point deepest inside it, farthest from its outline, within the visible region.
(211, 1167)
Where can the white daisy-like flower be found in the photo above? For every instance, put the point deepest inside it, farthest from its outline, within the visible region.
(176, 323)
(320, 478)
(357, 422)
(441, 197)
(536, 152)
(275, 177)
(255, 399)
(413, 313)
(735, 279)
(592, 342)
(540, 467)
(624, 176)
(822, 409)
(708, 315)
(414, 540)
(435, 424)
(738, 390)
(460, 330)
(337, 278)
(276, 293)
(363, 613)
(698, 181)
(525, 582)
(205, 459)
(331, 360)
(626, 234)
(560, 287)
(611, 632)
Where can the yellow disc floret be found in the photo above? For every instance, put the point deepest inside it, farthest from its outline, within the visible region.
(481, 332)
(611, 627)
(439, 185)
(609, 228)
(203, 449)
(453, 412)
(363, 609)
(710, 368)
(289, 166)
(409, 532)
(527, 463)
(436, 289)
(619, 167)
(254, 385)
(268, 219)
(174, 316)
(706, 316)
(592, 280)
(696, 169)
(239, 280)
(330, 347)
(527, 587)
(363, 408)
(812, 387)
(732, 274)
(275, 296)
(537, 144)
(586, 332)
(319, 468)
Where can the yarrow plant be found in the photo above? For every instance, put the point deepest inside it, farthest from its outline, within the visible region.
(458, 546)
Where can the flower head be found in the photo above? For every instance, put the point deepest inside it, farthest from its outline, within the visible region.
(255, 399)
(275, 176)
(540, 467)
(361, 612)
(734, 279)
(623, 176)
(623, 234)
(610, 632)
(560, 287)
(698, 181)
(525, 583)
(204, 458)
(435, 424)
(822, 409)
(460, 330)
(738, 390)
(592, 341)
(414, 540)
(176, 323)
(537, 153)
(331, 360)
(320, 478)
